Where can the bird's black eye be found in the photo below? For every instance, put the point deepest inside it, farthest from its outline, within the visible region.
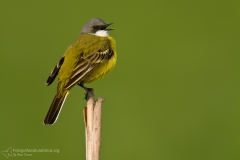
(95, 27)
(100, 27)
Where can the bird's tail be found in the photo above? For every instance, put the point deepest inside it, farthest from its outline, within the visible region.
(55, 108)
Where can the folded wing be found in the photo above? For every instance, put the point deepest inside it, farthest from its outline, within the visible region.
(86, 64)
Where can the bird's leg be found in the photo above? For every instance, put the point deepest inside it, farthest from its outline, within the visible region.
(89, 91)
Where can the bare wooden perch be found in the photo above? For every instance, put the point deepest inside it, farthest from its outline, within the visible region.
(92, 120)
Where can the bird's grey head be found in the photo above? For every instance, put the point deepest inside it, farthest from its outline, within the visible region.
(97, 27)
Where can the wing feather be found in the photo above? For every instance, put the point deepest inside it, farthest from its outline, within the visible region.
(80, 67)
(55, 71)
(87, 64)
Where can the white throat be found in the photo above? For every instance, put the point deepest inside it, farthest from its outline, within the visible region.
(102, 33)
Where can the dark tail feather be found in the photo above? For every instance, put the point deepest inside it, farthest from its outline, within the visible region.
(55, 109)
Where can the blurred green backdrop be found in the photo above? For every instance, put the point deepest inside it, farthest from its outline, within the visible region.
(174, 94)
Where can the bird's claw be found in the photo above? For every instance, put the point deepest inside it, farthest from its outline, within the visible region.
(89, 93)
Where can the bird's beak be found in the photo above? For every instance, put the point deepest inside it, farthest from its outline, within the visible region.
(108, 29)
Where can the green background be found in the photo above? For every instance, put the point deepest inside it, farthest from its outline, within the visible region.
(173, 95)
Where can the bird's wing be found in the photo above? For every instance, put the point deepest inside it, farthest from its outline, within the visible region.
(87, 63)
(55, 71)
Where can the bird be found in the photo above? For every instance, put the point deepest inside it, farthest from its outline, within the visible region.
(90, 57)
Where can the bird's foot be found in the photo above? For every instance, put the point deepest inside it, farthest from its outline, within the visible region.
(89, 92)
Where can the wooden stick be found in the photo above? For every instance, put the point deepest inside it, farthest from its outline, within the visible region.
(92, 119)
